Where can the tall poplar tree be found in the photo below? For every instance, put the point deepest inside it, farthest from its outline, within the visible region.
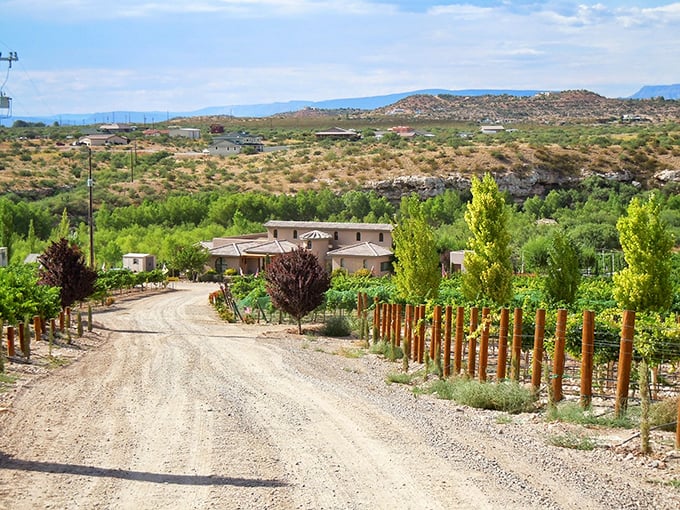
(645, 285)
(564, 274)
(488, 269)
(417, 273)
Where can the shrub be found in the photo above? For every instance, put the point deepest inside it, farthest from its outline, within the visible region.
(572, 441)
(508, 397)
(664, 414)
(337, 326)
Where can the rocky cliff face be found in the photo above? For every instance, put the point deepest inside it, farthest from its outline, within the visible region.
(536, 182)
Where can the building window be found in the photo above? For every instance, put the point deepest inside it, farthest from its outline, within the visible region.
(385, 266)
(276, 233)
(358, 236)
(335, 236)
(363, 263)
(294, 234)
(309, 245)
(220, 265)
(342, 262)
(381, 237)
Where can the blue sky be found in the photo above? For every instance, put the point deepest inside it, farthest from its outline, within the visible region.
(81, 56)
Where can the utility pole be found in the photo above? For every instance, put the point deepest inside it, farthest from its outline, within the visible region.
(89, 210)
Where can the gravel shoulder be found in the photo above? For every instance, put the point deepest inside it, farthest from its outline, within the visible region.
(165, 406)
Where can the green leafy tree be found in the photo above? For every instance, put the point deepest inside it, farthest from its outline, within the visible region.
(296, 283)
(488, 268)
(563, 272)
(63, 265)
(417, 273)
(191, 259)
(645, 285)
(6, 225)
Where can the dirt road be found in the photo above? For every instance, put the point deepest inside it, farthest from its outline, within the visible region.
(178, 410)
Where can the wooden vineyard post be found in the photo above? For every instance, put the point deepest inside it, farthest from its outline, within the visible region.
(558, 358)
(537, 360)
(484, 344)
(436, 344)
(408, 330)
(516, 344)
(587, 351)
(383, 325)
(68, 317)
(61, 321)
(376, 320)
(472, 341)
(458, 345)
(360, 308)
(37, 327)
(435, 330)
(448, 319)
(421, 335)
(22, 339)
(10, 341)
(397, 325)
(502, 345)
(625, 362)
(677, 429)
(415, 346)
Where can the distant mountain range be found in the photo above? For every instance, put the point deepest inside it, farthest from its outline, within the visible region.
(652, 91)
(268, 109)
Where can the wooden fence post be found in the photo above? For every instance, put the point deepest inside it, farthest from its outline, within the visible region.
(10, 341)
(484, 344)
(472, 341)
(625, 362)
(415, 347)
(436, 331)
(448, 319)
(408, 330)
(677, 429)
(398, 330)
(516, 354)
(436, 344)
(22, 339)
(558, 358)
(37, 327)
(421, 335)
(376, 319)
(537, 360)
(360, 309)
(458, 345)
(502, 345)
(61, 320)
(383, 326)
(587, 351)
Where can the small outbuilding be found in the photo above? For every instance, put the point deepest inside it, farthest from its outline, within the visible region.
(137, 262)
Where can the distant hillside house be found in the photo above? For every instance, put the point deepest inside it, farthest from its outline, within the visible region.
(403, 131)
(137, 262)
(234, 143)
(491, 130)
(101, 140)
(351, 246)
(3, 256)
(337, 133)
(191, 133)
(117, 128)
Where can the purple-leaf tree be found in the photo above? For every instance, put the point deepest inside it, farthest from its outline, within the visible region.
(63, 266)
(296, 283)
